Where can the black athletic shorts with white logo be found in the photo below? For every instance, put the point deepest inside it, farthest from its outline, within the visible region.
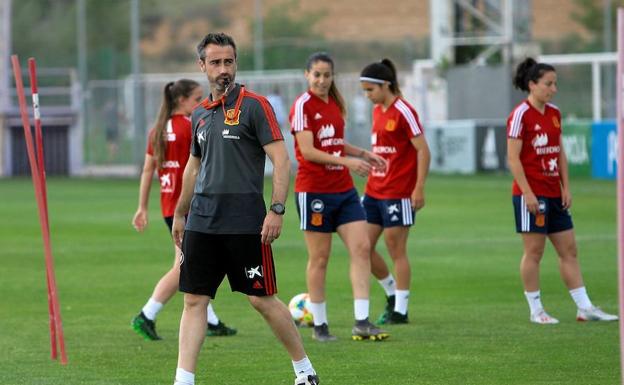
(207, 258)
(551, 216)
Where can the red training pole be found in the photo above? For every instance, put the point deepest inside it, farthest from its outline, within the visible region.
(41, 166)
(619, 89)
(39, 197)
(32, 68)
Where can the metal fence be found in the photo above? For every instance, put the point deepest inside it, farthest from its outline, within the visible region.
(112, 139)
(107, 140)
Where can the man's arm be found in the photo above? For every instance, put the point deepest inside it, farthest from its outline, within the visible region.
(272, 226)
(184, 202)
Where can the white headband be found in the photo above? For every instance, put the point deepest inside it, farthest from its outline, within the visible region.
(372, 80)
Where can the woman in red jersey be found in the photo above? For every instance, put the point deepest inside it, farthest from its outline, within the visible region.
(327, 201)
(541, 191)
(168, 150)
(394, 194)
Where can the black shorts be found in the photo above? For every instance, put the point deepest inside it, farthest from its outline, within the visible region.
(169, 222)
(388, 212)
(207, 258)
(324, 213)
(551, 216)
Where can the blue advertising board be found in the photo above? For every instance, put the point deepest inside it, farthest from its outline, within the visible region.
(604, 150)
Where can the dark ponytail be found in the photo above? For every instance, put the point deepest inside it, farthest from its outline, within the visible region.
(171, 93)
(333, 90)
(394, 84)
(380, 72)
(530, 70)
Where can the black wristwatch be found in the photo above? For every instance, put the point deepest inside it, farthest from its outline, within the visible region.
(278, 208)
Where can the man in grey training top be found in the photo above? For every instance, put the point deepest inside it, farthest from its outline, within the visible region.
(228, 230)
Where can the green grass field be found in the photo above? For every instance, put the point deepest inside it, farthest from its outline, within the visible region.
(469, 316)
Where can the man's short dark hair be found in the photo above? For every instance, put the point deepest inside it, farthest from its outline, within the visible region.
(220, 39)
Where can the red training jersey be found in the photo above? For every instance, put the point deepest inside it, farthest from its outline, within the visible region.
(178, 138)
(391, 136)
(541, 136)
(324, 120)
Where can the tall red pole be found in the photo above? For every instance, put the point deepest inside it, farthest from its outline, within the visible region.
(39, 196)
(41, 167)
(619, 89)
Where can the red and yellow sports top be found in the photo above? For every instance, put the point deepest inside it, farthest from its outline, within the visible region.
(325, 122)
(541, 136)
(391, 136)
(178, 137)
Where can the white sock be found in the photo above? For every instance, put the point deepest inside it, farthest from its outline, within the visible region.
(212, 316)
(152, 308)
(580, 297)
(535, 301)
(400, 301)
(388, 284)
(184, 378)
(303, 366)
(319, 312)
(360, 309)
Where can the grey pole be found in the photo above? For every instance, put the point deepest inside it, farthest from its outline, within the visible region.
(137, 102)
(5, 84)
(81, 22)
(607, 34)
(5, 54)
(258, 38)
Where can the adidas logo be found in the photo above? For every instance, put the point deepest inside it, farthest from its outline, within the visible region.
(317, 116)
(257, 285)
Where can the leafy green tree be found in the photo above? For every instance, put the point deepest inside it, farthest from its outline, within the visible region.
(289, 37)
(47, 30)
(38, 30)
(590, 16)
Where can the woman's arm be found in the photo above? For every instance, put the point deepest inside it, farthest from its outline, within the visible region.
(424, 158)
(514, 147)
(140, 217)
(305, 141)
(566, 196)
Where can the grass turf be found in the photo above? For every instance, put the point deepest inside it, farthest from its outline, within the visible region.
(469, 318)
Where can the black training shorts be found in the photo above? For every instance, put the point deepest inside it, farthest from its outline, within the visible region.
(207, 258)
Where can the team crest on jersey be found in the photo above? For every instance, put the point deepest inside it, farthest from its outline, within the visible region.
(556, 122)
(391, 125)
(232, 117)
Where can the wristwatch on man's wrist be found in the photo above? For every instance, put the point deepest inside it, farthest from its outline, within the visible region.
(278, 208)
